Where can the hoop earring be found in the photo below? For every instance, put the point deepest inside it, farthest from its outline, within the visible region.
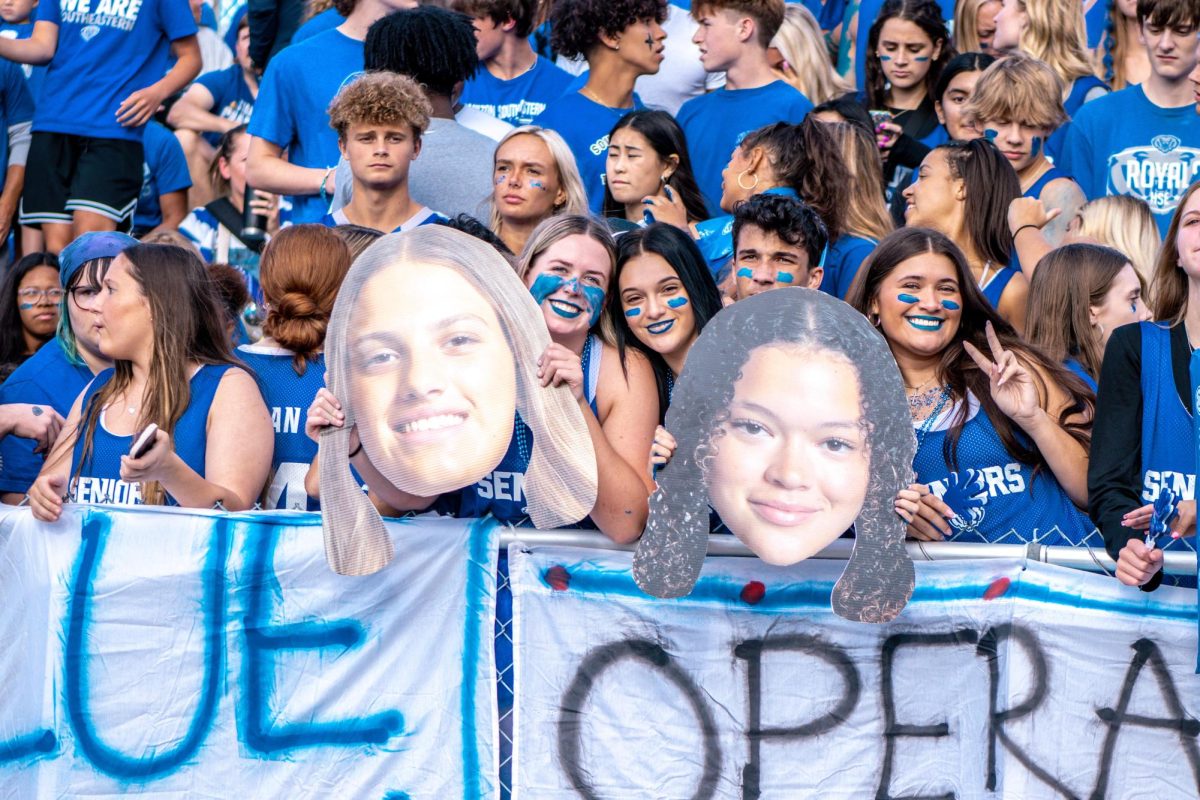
(749, 188)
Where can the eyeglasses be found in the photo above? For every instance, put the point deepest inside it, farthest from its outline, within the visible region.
(34, 295)
(85, 295)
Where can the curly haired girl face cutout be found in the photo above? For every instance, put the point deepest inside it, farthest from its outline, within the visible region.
(791, 465)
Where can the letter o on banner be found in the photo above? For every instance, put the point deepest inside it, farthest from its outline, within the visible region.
(595, 664)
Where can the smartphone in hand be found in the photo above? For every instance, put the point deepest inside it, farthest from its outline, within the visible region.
(143, 441)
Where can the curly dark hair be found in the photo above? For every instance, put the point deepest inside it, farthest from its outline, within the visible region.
(792, 220)
(434, 46)
(879, 576)
(576, 25)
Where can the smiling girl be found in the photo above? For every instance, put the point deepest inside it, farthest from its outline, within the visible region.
(1002, 431)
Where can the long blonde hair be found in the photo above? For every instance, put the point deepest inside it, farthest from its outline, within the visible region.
(1126, 224)
(966, 25)
(564, 164)
(867, 214)
(806, 61)
(1055, 32)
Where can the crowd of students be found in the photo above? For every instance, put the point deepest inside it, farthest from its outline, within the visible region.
(1006, 191)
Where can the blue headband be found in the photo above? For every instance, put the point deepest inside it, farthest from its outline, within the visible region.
(88, 247)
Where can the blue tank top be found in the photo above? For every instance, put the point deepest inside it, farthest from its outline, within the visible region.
(288, 397)
(1078, 369)
(1167, 459)
(997, 498)
(1052, 174)
(995, 287)
(99, 478)
(501, 492)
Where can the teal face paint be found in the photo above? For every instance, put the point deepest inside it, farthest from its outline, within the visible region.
(908, 298)
(633, 312)
(784, 277)
(885, 58)
(537, 185)
(544, 286)
(950, 305)
(1035, 147)
(594, 296)
(26, 306)
(990, 134)
(745, 272)
(677, 302)
(920, 59)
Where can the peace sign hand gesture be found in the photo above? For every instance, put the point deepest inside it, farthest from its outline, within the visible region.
(1011, 384)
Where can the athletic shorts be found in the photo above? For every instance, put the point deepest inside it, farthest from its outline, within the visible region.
(66, 173)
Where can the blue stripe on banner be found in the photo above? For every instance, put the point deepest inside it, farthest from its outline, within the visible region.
(479, 566)
(587, 578)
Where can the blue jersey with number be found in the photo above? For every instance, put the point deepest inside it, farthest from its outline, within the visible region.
(99, 474)
(996, 498)
(288, 397)
(1167, 460)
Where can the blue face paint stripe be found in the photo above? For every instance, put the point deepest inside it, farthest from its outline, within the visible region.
(632, 312)
(784, 277)
(950, 305)
(595, 302)
(97, 526)
(677, 302)
(544, 286)
(26, 306)
(908, 298)
(1035, 146)
(745, 272)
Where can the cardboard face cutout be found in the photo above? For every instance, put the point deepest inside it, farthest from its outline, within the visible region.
(432, 350)
(791, 422)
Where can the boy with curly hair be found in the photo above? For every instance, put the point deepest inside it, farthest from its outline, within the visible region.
(379, 119)
(621, 40)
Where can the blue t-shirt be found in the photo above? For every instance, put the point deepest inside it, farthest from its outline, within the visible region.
(326, 20)
(164, 171)
(100, 476)
(300, 82)
(288, 397)
(232, 98)
(585, 124)
(102, 58)
(842, 261)
(34, 76)
(996, 498)
(16, 107)
(1096, 20)
(1124, 144)
(520, 100)
(1075, 100)
(715, 123)
(46, 378)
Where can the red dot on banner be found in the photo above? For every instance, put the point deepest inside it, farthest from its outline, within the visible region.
(997, 589)
(753, 592)
(558, 578)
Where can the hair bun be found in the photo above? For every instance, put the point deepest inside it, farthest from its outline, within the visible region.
(299, 306)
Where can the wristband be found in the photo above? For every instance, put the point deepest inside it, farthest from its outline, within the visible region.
(324, 180)
(1018, 230)
(357, 450)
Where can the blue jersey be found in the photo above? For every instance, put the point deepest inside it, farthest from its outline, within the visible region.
(46, 378)
(1078, 369)
(290, 112)
(585, 124)
(326, 20)
(842, 261)
(1096, 21)
(1052, 174)
(715, 236)
(426, 216)
(288, 397)
(995, 497)
(715, 123)
(1075, 100)
(34, 76)
(520, 100)
(232, 98)
(1124, 144)
(1167, 461)
(995, 287)
(164, 171)
(501, 493)
(103, 56)
(99, 478)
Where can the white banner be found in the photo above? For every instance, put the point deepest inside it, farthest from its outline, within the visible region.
(177, 654)
(1001, 679)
